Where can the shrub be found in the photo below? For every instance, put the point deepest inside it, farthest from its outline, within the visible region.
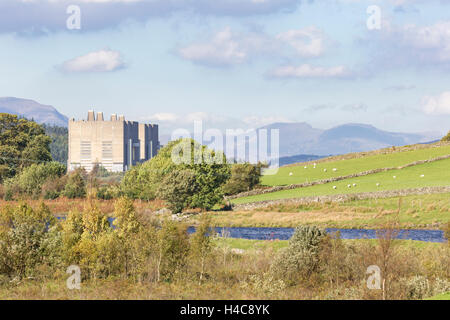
(76, 185)
(418, 287)
(173, 249)
(244, 177)
(301, 258)
(28, 239)
(446, 138)
(32, 179)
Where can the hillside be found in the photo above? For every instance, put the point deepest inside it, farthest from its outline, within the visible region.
(33, 110)
(302, 138)
(428, 174)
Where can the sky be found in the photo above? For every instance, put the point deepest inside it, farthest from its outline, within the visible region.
(233, 63)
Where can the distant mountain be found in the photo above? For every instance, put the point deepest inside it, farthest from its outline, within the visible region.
(32, 110)
(303, 139)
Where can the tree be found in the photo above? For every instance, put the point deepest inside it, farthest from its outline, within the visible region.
(76, 185)
(59, 146)
(447, 137)
(31, 180)
(199, 182)
(244, 177)
(22, 143)
(201, 243)
(177, 188)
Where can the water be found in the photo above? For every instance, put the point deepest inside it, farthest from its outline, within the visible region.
(286, 233)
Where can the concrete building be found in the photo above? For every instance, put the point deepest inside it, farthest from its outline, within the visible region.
(116, 145)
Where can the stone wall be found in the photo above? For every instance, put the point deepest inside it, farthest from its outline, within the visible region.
(342, 197)
(324, 181)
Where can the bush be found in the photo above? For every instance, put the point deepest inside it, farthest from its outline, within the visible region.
(76, 185)
(446, 138)
(28, 239)
(32, 179)
(173, 249)
(418, 288)
(200, 183)
(244, 177)
(301, 258)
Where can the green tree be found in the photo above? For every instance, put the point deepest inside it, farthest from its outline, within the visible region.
(202, 244)
(59, 147)
(202, 179)
(22, 143)
(76, 185)
(244, 177)
(30, 180)
(447, 137)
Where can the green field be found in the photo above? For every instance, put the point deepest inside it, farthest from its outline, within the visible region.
(434, 174)
(444, 296)
(347, 167)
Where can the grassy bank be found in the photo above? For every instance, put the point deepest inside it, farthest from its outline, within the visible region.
(386, 158)
(423, 175)
(429, 211)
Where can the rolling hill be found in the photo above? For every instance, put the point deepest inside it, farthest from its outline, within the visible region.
(33, 110)
(302, 138)
(434, 173)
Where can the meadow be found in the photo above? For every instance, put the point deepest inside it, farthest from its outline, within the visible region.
(423, 175)
(354, 163)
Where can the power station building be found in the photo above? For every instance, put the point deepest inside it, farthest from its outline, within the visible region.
(116, 145)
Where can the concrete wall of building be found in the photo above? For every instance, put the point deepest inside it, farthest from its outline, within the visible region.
(116, 144)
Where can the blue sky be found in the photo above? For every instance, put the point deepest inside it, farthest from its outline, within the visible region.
(233, 63)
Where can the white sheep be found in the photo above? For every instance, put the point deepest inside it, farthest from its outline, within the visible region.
(422, 175)
(334, 169)
(378, 184)
(334, 187)
(354, 184)
(349, 186)
(395, 177)
(324, 170)
(306, 167)
(290, 173)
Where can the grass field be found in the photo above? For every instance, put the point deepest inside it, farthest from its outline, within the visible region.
(347, 167)
(429, 211)
(444, 296)
(434, 174)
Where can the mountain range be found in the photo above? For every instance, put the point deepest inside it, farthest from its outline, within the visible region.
(303, 139)
(33, 110)
(298, 141)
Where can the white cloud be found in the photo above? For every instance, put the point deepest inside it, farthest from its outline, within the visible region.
(227, 48)
(164, 117)
(223, 49)
(413, 45)
(308, 42)
(98, 61)
(308, 71)
(437, 105)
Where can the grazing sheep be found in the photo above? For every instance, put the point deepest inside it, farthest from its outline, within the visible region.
(354, 184)
(306, 167)
(349, 186)
(378, 184)
(290, 173)
(334, 169)
(422, 175)
(324, 170)
(334, 187)
(395, 177)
